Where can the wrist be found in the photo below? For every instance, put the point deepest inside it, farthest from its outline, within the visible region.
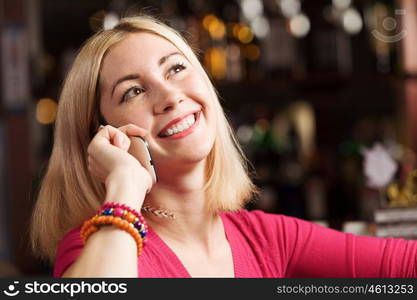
(126, 186)
(127, 176)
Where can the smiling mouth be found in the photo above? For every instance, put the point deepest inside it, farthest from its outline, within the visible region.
(181, 126)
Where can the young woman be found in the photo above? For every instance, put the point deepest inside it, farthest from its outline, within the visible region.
(142, 79)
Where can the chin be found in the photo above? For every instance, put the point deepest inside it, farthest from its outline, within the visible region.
(196, 157)
(194, 154)
(185, 156)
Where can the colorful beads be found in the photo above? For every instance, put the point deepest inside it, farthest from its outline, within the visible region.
(121, 216)
(90, 226)
(115, 205)
(107, 211)
(118, 212)
(124, 212)
(129, 217)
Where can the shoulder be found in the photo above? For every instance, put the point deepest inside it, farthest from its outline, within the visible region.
(257, 217)
(262, 223)
(273, 236)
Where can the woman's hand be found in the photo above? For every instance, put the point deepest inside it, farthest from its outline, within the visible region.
(108, 159)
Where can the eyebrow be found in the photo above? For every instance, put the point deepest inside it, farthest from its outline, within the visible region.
(161, 61)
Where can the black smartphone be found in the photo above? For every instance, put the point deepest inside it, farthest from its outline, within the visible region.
(139, 149)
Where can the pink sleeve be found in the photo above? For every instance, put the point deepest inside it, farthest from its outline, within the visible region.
(69, 249)
(323, 252)
(310, 250)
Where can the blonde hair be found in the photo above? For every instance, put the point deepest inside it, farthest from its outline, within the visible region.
(69, 194)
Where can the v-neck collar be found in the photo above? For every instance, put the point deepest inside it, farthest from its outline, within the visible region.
(170, 254)
(183, 272)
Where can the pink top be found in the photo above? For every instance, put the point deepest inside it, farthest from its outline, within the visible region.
(269, 245)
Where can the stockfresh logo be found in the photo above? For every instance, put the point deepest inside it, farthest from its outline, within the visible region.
(11, 290)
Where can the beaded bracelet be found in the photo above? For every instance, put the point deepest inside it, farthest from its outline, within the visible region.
(123, 207)
(126, 213)
(121, 216)
(89, 227)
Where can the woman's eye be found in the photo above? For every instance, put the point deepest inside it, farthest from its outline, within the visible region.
(176, 69)
(132, 92)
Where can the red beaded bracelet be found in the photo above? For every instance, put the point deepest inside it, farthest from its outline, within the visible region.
(125, 212)
(116, 205)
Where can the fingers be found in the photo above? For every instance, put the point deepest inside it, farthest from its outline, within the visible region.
(119, 140)
(119, 137)
(129, 130)
(104, 151)
(133, 130)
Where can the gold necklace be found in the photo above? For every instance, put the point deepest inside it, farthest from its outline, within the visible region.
(159, 212)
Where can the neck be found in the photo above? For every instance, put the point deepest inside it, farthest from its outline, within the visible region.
(181, 193)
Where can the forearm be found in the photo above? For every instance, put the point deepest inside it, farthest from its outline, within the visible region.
(111, 252)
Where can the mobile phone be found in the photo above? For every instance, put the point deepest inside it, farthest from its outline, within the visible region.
(140, 150)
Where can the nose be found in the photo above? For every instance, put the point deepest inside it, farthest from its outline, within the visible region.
(167, 98)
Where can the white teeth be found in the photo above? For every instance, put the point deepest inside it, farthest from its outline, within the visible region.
(181, 126)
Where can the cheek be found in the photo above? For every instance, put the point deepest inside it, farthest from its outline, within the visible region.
(203, 94)
(199, 88)
(120, 116)
(107, 112)
(139, 118)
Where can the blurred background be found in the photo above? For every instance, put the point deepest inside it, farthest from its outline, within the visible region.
(322, 95)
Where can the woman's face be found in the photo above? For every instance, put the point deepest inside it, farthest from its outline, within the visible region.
(146, 81)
